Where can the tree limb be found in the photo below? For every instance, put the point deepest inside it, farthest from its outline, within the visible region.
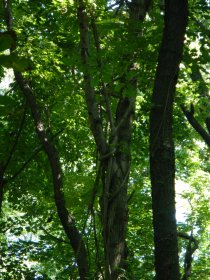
(16, 138)
(188, 254)
(54, 237)
(34, 153)
(92, 104)
(105, 93)
(50, 150)
(195, 124)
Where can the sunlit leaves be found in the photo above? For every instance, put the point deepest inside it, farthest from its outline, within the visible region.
(48, 54)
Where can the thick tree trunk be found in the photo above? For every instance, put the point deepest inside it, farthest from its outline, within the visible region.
(162, 159)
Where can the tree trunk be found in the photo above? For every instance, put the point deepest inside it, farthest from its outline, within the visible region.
(162, 159)
(114, 198)
(50, 150)
(114, 150)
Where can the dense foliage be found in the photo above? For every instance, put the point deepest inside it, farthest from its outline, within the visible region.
(45, 44)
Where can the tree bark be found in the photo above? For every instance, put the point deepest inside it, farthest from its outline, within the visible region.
(114, 199)
(162, 159)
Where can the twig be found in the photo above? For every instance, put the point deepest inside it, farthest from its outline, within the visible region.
(34, 153)
(54, 237)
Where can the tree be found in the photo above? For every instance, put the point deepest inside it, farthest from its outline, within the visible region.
(162, 159)
(76, 117)
(113, 140)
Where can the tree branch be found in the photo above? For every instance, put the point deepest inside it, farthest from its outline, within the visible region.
(188, 254)
(105, 93)
(50, 150)
(16, 138)
(92, 104)
(54, 237)
(34, 153)
(195, 124)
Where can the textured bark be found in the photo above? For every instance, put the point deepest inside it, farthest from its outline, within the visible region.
(119, 164)
(114, 201)
(162, 159)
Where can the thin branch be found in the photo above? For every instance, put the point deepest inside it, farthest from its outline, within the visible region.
(92, 197)
(34, 153)
(60, 240)
(188, 237)
(98, 49)
(17, 137)
(195, 124)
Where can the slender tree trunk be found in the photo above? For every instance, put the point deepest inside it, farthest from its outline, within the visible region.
(66, 219)
(162, 159)
(50, 150)
(114, 199)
